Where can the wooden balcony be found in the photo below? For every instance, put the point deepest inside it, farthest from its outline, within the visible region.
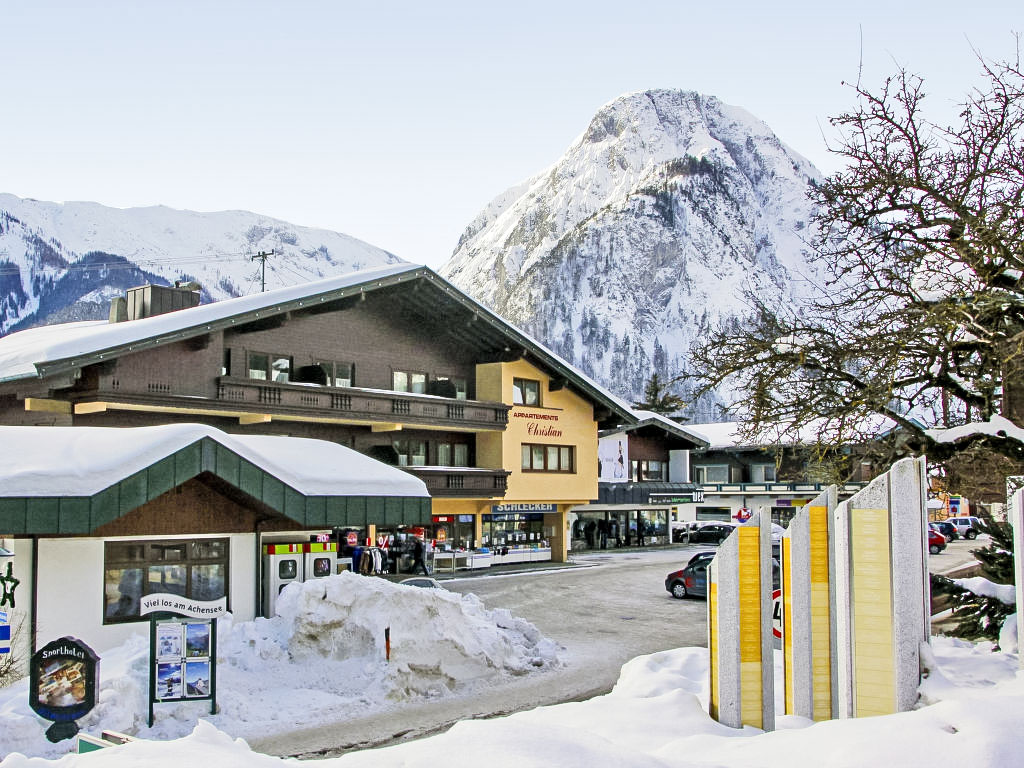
(462, 482)
(362, 405)
(255, 402)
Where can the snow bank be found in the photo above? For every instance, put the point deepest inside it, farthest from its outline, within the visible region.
(321, 660)
(654, 718)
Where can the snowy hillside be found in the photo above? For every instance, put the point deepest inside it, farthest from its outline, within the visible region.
(62, 262)
(643, 236)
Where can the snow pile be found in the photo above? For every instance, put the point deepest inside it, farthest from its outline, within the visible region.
(979, 585)
(656, 718)
(439, 640)
(321, 660)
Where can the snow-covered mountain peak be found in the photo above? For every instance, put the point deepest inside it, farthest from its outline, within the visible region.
(646, 231)
(49, 255)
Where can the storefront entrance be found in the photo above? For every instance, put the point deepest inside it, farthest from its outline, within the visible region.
(612, 529)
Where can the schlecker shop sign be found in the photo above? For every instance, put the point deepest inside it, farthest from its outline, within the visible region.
(62, 685)
(539, 424)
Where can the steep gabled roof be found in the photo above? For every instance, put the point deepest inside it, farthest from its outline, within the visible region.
(57, 349)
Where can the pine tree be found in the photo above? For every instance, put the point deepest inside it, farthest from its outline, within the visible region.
(979, 617)
(657, 396)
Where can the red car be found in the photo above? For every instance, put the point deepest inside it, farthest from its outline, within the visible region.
(936, 541)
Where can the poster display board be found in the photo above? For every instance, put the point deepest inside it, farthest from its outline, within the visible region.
(183, 655)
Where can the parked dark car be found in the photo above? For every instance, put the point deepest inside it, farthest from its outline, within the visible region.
(692, 580)
(936, 541)
(712, 533)
(946, 528)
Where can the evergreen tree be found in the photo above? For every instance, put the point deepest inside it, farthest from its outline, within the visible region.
(979, 617)
(658, 397)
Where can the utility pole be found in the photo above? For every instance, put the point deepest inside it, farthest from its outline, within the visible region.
(262, 256)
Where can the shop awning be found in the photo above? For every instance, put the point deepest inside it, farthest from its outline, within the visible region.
(71, 480)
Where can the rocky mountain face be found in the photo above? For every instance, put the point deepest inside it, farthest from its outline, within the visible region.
(643, 236)
(63, 262)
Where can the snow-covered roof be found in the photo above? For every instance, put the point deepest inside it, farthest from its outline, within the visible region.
(82, 461)
(647, 418)
(22, 354)
(727, 434)
(39, 351)
(723, 434)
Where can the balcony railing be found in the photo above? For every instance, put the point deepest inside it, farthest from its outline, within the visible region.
(362, 404)
(465, 482)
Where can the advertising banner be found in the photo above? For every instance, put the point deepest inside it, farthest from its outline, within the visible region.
(613, 459)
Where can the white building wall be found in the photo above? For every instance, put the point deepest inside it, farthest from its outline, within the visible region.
(71, 580)
(20, 616)
(679, 466)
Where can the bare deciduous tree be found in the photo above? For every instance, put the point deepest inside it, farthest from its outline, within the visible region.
(920, 322)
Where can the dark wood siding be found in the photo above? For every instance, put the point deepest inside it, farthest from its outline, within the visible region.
(373, 335)
(193, 508)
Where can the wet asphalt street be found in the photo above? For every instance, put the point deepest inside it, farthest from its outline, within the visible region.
(605, 610)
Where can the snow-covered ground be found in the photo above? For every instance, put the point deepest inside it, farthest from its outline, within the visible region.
(321, 660)
(972, 698)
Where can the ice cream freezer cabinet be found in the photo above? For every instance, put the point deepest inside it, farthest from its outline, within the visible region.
(294, 561)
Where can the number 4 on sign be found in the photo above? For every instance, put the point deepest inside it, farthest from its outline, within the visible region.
(777, 613)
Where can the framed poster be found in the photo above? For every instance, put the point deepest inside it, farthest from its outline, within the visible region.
(197, 640)
(197, 679)
(168, 640)
(168, 680)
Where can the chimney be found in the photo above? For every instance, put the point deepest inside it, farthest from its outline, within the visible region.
(151, 300)
(118, 310)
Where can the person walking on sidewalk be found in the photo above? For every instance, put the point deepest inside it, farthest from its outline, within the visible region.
(417, 557)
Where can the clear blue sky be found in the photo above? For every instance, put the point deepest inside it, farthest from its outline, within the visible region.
(396, 122)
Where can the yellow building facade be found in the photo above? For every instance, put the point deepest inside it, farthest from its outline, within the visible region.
(550, 451)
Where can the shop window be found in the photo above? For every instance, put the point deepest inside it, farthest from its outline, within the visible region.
(195, 569)
(338, 374)
(525, 392)
(452, 455)
(407, 381)
(264, 367)
(762, 473)
(512, 530)
(711, 473)
(411, 453)
(548, 458)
